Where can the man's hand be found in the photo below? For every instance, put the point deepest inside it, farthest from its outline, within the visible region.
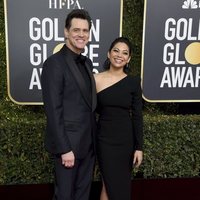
(68, 159)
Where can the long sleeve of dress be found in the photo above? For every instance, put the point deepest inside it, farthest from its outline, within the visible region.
(137, 117)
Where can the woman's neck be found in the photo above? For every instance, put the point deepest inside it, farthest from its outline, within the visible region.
(116, 72)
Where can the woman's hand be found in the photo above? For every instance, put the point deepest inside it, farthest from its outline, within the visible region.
(137, 159)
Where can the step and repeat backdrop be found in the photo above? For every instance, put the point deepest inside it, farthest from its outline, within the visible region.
(170, 68)
(171, 51)
(35, 30)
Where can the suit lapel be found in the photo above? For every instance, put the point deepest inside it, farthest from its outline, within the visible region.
(77, 76)
(93, 85)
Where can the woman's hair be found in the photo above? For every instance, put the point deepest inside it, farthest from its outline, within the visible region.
(125, 40)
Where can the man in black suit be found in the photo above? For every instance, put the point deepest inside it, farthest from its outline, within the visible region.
(69, 97)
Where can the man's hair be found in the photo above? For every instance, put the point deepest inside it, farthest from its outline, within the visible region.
(80, 14)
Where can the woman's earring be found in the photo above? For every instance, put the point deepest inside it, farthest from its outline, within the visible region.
(127, 66)
(106, 64)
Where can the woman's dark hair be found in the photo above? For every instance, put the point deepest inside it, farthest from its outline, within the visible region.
(117, 40)
(80, 14)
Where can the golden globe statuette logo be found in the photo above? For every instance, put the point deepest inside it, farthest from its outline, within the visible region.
(192, 53)
(58, 47)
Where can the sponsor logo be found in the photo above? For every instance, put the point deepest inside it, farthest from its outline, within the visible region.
(68, 4)
(191, 4)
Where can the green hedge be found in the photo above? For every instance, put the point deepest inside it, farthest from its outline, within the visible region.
(171, 149)
(171, 144)
(22, 156)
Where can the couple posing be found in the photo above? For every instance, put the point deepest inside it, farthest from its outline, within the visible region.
(72, 95)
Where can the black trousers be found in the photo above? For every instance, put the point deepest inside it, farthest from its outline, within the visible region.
(74, 183)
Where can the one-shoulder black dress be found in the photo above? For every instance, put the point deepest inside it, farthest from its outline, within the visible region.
(119, 134)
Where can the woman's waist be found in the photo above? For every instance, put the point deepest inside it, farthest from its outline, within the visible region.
(114, 114)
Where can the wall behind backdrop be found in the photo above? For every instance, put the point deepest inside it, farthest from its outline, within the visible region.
(171, 130)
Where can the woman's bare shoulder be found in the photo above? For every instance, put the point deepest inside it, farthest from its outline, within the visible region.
(99, 76)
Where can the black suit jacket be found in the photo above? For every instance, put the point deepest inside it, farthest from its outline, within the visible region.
(69, 110)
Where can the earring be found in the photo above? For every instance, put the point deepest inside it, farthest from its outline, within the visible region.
(127, 66)
(106, 64)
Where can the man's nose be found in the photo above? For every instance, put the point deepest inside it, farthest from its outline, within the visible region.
(81, 33)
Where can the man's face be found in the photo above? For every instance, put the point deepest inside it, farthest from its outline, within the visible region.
(77, 35)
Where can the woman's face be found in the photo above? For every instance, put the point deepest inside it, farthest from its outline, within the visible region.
(119, 55)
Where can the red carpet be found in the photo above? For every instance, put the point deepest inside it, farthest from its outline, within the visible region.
(143, 189)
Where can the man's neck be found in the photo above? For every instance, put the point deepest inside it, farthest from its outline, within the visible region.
(76, 51)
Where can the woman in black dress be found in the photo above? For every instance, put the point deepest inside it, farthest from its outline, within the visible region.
(120, 123)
